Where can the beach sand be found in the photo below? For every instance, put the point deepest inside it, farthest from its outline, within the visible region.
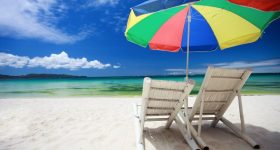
(107, 123)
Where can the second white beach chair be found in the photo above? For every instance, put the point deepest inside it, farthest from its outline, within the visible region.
(218, 90)
(161, 101)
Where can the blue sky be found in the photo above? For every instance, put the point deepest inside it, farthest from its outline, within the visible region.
(86, 38)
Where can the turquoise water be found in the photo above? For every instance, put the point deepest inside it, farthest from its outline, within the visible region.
(115, 86)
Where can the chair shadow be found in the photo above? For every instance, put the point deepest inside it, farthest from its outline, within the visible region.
(218, 138)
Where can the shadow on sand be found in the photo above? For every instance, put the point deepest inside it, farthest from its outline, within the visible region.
(219, 138)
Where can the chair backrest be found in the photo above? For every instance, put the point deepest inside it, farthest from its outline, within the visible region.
(161, 98)
(218, 89)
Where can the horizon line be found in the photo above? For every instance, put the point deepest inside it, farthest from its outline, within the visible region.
(86, 76)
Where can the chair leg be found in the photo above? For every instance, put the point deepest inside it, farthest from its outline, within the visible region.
(139, 132)
(200, 114)
(186, 115)
(214, 123)
(186, 135)
(240, 134)
(173, 115)
(194, 134)
(241, 113)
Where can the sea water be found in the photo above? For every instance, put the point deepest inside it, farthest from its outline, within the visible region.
(116, 86)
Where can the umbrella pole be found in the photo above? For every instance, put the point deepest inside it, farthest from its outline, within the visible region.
(188, 44)
(186, 102)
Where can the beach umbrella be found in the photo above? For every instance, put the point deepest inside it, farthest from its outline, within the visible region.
(156, 5)
(200, 26)
(265, 5)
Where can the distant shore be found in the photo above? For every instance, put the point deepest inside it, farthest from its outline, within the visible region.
(67, 76)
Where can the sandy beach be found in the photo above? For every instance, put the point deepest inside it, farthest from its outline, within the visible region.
(105, 123)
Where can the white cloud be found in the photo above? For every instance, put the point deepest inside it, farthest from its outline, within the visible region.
(116, 66)
(13, 60)
(269, 69)
(175, 70)
(115, 20)
(198, 71)
(263, 66)
(244, 64)
(97, 3)
(34, 19)
(54, 61)
(179, 71)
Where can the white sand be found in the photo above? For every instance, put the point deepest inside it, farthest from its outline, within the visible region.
(107, 123)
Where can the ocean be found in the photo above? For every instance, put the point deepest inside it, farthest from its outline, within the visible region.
(116, 86)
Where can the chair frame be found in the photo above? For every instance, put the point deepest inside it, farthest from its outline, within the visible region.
(140, 112)
(199, 106)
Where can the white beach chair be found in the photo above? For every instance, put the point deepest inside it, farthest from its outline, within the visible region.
(161, 101)
(219, 88)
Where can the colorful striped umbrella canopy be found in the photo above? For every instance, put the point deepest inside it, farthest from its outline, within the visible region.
(156, 5)
(205, 25)
(265, 5)
(214, 24)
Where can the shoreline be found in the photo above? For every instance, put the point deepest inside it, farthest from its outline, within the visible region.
(112, 96)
